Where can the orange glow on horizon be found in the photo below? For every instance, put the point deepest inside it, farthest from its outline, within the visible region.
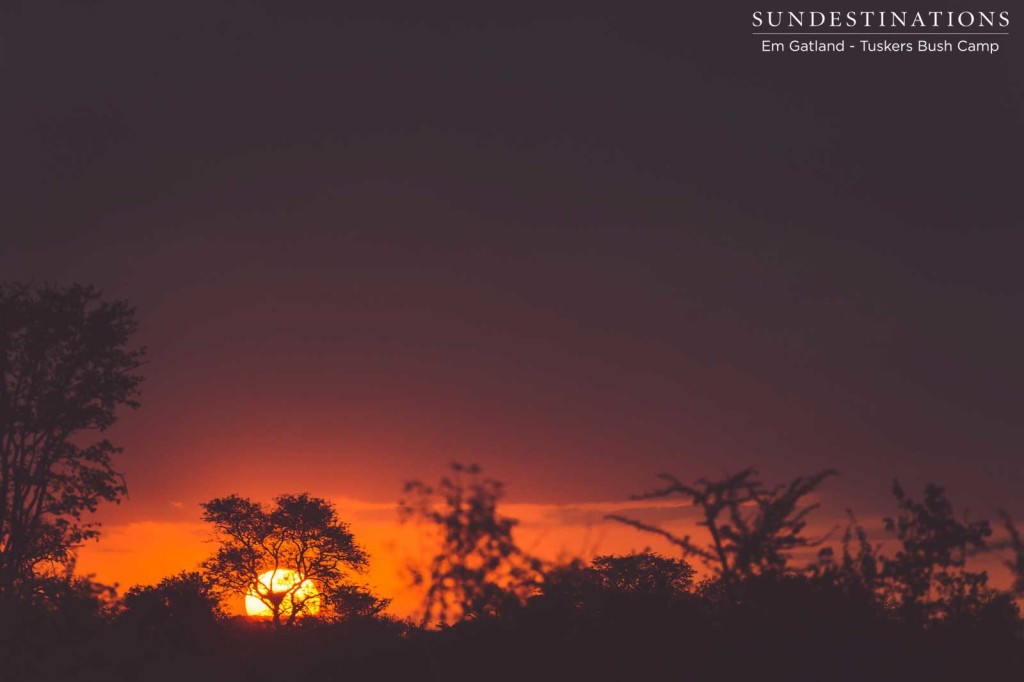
(144, 552)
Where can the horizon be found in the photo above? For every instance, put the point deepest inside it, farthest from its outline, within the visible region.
(272, 272)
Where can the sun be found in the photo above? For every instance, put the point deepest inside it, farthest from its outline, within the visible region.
(283, 580)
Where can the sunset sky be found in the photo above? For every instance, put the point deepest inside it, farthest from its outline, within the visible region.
(578, 248)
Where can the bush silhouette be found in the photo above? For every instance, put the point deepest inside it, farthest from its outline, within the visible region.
(183, 606)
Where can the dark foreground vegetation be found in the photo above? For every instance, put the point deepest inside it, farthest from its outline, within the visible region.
(583, 626)
(493, 613)
(916, 608)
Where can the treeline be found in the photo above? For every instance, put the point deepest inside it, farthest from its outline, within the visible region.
(491, 611)
(916, 609)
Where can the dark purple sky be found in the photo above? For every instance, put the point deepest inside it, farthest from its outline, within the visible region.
(579, 247)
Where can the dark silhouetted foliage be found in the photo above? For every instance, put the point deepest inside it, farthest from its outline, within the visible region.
(618, 617)
(927, 577)
(858, 571)
(646, 573)
(1015, 543)
(752, 528)
(65, 369)
(299, 533)
(184, 605)
(479, 569)
(636, 591)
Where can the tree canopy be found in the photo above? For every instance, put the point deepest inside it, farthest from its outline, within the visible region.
(478, 570)
(927, 576)
(66, 366)
(299, 533)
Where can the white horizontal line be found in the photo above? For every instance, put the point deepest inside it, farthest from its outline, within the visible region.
(802, 33)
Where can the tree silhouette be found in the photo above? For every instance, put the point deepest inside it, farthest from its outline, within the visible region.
(928, 576)
(752, 528)
(479, 569)
(74, 599)
(635, 595)
(645, 573)
(1015, 543)
(299, 533)
(184, 605)
(66, 367)
(858, 571)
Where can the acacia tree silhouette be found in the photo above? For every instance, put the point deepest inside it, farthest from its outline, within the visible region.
(479, 569)
(752, 528)
(65, 369)
(300, 533)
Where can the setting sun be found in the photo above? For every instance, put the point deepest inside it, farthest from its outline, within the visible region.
(291, 585)
(511, 342)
